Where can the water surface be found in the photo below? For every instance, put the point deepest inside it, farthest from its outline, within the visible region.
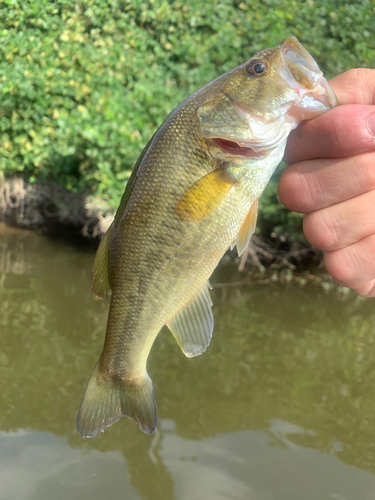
(281, 406)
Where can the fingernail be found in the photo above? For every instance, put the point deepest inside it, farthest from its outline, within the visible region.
(371, 124)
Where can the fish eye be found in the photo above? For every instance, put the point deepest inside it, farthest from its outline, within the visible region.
(258, 67)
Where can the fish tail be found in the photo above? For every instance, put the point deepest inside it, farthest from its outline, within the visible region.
(106, 399)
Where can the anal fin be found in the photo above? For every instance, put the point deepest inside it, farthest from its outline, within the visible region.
(192, 326)
(99, 277)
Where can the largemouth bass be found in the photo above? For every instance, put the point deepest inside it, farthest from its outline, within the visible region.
(193, 193)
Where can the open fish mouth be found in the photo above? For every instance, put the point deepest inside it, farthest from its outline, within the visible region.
(232, 148)
(252, 139)
(273, 135)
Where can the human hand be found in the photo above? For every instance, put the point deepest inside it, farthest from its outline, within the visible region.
(331, 178)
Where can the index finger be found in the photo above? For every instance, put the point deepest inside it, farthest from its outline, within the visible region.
(343, 131)
(356, 86)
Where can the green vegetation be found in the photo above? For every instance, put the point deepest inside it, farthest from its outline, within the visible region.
(85, 84)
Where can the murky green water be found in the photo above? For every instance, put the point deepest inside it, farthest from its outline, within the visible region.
(281, 406)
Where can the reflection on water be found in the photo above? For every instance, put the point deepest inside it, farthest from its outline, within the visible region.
(245, 465)
(281, 406)
(240, 466)
(40, 465)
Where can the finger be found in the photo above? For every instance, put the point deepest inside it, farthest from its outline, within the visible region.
(356, 86)
(315, 184)
(367, 290)
(342, 224)
(353, 266)
(343, 131)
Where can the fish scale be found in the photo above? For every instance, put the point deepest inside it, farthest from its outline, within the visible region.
(191, 195)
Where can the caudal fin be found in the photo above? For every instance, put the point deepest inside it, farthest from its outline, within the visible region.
(107, 399)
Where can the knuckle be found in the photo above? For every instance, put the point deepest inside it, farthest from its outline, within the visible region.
(367, 165)
(362, 83)
(300, 190)
(322, 229)
(315, 191)
(346, 132)
(367, 290)
(338, 138)
(367, 77)
(354, 265)
(354, 73)
(293, 190)
(340, 267)
(371, 206)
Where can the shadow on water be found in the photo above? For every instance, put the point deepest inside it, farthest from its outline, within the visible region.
(280, 406)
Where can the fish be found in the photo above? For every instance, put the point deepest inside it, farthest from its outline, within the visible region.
(193, 193)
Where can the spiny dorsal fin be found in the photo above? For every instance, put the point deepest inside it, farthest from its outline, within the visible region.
(99, 276)
(192, 326)
(203, 197)
(247, 229)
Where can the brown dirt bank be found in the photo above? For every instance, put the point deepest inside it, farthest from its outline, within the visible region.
(50, 208)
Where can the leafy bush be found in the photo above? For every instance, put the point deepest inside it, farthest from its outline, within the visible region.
(85, 84)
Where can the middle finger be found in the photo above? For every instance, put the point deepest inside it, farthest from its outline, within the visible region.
(342, 224)
(314, 184)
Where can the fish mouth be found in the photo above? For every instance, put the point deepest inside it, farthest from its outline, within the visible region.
(232, 148)
(245, 135)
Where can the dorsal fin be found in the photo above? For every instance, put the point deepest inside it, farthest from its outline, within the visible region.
(99, 276)
(192, 326)
(247, 229)
(203, 197)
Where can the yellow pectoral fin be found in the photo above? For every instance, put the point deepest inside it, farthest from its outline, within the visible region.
(203, 197)
(99, 277)
(247, 228)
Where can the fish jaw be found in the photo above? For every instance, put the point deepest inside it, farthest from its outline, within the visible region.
(236, 123)
(301, 72)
